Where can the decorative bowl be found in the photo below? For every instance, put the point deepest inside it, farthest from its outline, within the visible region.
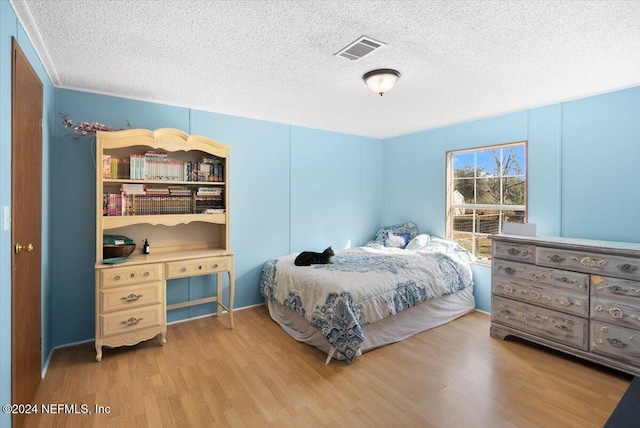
(111, 251)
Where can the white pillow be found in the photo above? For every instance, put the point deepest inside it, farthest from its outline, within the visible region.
(418, 242)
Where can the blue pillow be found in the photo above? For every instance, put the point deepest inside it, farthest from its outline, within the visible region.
(399, 240)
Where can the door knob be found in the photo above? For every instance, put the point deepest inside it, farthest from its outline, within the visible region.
(19, 248)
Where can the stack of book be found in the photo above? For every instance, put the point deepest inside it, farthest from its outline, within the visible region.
(209, 200)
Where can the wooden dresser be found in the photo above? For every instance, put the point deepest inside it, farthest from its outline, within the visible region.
(574, 295)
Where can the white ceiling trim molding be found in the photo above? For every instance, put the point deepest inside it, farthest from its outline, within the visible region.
(26, 19)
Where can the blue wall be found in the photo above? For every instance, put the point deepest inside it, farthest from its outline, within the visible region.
(11, 27)
(583, 159)
(291, 189)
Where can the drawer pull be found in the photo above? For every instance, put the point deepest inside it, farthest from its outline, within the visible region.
(132, 275)
(131, 297)
(591, 262)
(513, 251)
(566, 280)
(215, 266)
(556, 258)
(616, 313)
(509, 270)
(615, 342)
(146, 274)
(627, 268)
(131, 321)
(116, 278)
(616, 289)
(184, 269)
(199, 267)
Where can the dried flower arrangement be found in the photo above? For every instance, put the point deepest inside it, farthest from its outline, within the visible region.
(87, 129)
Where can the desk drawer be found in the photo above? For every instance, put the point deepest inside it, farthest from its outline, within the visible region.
(126, 275)
(131, 297)
(202, 266)
(562, 328)
(131, 320)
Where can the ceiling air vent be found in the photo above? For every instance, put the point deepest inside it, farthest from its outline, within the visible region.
(360, 48)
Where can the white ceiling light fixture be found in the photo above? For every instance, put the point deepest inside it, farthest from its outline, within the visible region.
(381, 80)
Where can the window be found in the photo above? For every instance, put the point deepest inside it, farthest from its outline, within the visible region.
(485, 187)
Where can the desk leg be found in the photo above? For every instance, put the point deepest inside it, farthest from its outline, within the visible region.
(219, 295)
(232, 289)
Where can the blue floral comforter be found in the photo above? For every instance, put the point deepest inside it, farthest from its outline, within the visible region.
(361, 286)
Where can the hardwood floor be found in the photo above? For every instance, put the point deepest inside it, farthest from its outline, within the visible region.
(258, 376)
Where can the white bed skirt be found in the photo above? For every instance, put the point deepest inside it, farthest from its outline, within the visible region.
(407, 323)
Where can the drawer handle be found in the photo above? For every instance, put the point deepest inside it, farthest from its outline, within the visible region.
(513, 251)
(184, 269)
(132, 275)
(617, 343)
(591, 262)
(199, 267)
(616, 289)
(509, 270)
(627, 268)
(566, 280)
(616, 313)
(146, 274)
(131, 297)
(556, 258)
(215, 266)
(116, 278)
(131, 321)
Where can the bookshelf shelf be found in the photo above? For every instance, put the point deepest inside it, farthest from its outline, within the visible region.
(182, 245)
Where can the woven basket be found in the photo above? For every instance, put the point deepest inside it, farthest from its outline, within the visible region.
(111, 251)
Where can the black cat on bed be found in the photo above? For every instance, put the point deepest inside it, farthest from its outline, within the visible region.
(308, 258)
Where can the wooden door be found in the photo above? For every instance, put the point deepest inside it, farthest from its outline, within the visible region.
(26, 202)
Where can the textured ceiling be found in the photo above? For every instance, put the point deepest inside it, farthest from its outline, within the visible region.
(274, 60)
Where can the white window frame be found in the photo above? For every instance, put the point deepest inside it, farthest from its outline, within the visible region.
(451, 205)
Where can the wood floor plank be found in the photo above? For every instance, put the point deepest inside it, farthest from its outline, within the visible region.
(256, 375)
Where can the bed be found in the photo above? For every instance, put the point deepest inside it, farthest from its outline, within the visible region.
(370, 296)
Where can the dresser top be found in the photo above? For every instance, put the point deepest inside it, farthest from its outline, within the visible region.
(631, 249)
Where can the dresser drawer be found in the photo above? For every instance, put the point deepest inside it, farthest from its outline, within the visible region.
(562, 328)
(562, 299)
(615, 287)
(506, 270)
(615, 311)
(133, 296)
(617, 266)
(201, 266)
(131, 320)
(618, 342)
(115, 277)
(511, 251)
